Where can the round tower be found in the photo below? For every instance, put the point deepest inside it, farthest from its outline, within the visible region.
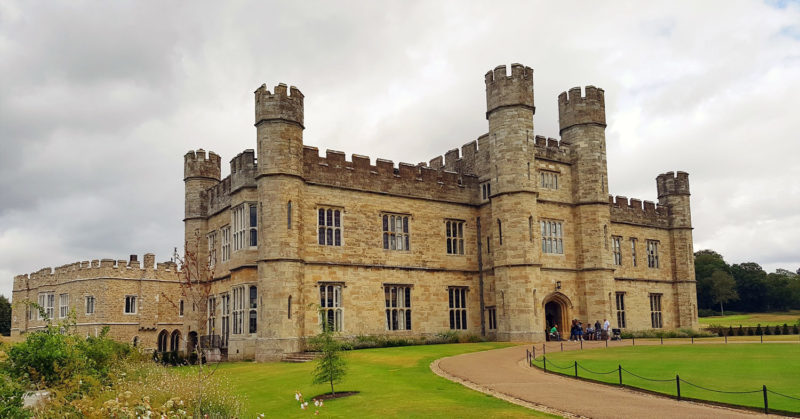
(201, 171)
(279, 179)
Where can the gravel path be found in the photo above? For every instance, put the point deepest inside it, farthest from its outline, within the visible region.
(503, 374)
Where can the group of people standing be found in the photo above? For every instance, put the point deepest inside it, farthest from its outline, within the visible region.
(578, 332)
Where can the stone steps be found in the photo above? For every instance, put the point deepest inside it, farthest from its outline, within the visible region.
(298, 357)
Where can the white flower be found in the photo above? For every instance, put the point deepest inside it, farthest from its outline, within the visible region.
(303, 406)
(316, 403)
(297, 396)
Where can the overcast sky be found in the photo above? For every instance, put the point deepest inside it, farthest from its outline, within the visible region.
(100, 100)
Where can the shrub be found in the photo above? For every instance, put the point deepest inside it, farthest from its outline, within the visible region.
(767, 330)
(740, 331)
(777, 330)
(796, 331)
(750, 331)
(785, 329)
(759, 330)
(11, 402)
(705, 312)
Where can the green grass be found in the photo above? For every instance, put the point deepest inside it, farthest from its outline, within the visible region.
(753, 319)
(743, 367)
(392, 382)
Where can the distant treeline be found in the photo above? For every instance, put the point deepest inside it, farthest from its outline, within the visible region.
(743, 287)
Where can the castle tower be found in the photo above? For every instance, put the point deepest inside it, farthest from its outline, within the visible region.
(582, 124)
(673, 192)
(509, 110)
(200, 172)
(279, 127)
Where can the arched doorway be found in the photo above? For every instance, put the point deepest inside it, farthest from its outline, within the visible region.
(191, 342)
(556, 312)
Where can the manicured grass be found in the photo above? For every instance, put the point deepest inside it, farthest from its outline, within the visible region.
(732, 367)
(754, 319)
(392, 382)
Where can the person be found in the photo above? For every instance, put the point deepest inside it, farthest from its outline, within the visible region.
(579, 331)
(554, 333)
(606, 326)
(597, 330)
(589, 332)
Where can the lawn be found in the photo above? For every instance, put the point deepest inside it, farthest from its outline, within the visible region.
(392, 382)
(778, 318)
(732, 368)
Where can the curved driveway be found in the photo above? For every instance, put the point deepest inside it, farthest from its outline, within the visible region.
(503, 373)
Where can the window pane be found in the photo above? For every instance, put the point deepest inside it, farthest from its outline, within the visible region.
(322, 235)
(449, 246)
(408, 319)
(405, 224)
(385, 223)
(336, 218)
(385, 239)
(329, 235)
(408, 297)
(253, 217)
(461, 247)
(407, 246)
(253, 237)
(338, 236)
(321, 219)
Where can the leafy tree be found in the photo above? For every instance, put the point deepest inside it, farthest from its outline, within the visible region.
(751, 286)
(5, 316)
(706, 262)
(723, 289)
(331, 367)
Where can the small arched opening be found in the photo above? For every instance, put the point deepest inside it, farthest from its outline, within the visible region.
(162, 341)
(175, 340)
(556, 313)
(191, 342)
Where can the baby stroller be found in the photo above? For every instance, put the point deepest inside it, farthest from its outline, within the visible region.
(616, 334)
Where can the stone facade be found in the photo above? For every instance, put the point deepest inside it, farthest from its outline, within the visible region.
(505, 236)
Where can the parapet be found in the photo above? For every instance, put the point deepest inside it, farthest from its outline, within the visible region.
(551, 149)
(99, 269)
(279, 106)
(574, 109)
(405, 179)
(638, 212)
(243, 170)
(198, 164)
(509, 90)
(672, 184)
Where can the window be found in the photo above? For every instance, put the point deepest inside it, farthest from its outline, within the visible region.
(500, 231)
(552, 237)
(245, 226)
(492, 311)
(633, 251)
(616, 248)
(395, 232)
(63, 305)
(329, 222)
(458, 308)
(289, 308)
(486, 191)
(239, 227)
(655, 311)
(621, 310)
(47, 302)
(455, 237)
(226, 318)
(211, 327)
(488, 244)
(212, 249)
(89, 304)
(226, 243)
(330, 302)
(398, 307)
(238, 310)
(530, 228)
(253, 325)
(289, 215)
(180, 308)
(130, 304)
(652, 254)
(253, 225)
(548, 180)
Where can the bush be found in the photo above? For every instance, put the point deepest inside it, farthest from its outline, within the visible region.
(679, 333)
(730, 331)
(740, 331)
(11, 402)
(750, 331)
(796, 331)
(777, 330)
(705, 312)
(785, 329)
(767, 330)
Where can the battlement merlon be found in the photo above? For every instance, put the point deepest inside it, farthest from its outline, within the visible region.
(509, 90)
(672, 184)
(279, 106)
(198, 164)
(575, 109)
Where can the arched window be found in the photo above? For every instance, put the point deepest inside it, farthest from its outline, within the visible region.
(162, 341)
(253, 309)
(175, 341)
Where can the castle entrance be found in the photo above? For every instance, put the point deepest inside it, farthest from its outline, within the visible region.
(556, 313)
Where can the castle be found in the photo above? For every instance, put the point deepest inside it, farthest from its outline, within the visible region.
(507, 236)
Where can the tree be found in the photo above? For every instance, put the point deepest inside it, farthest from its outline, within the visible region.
(705, 263)
(331, 367)
(5, 316)
(751, 286)
(723, 289)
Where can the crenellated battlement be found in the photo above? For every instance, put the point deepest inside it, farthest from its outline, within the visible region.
(99, 268)
(551, 149)
(416, 180)
(671, 183)
(504, 90)
(244, 169)
(636, 211)
(198, 164)
(282, 105)
(576, 109)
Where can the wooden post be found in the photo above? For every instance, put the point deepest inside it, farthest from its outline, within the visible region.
(678, 384)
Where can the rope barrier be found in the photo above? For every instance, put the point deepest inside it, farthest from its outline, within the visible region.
(556, 365)
(783, 395)
(720, 391)
(595, 372)
(648, 379)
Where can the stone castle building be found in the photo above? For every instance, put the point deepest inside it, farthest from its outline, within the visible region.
(507, 236)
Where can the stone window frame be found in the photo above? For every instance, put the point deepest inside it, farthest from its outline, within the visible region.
(616, 249)
(392, 238)
(634, 261)
(330, 225)
(180, 308)
(225, 317)
(491, 315)
(89, 302)
(656, 317)
(47, 301)
(652, 254)
(244, 219)
(331, 307)
(548, 179)
(620, 309)
(457, 307)
(252, 309)
(225, 245)
(211, 238)
(239, 297)
(63, 305)
(131, 301)
(486, 191)
(454, 234)
(398, 306)
(211, 315)
(552, 236)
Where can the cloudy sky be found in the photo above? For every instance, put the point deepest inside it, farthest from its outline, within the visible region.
(100, 100)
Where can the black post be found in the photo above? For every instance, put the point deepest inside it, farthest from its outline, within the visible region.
(576, 369)
(692, 340)
(762, 336)
(766, 405)
(562, 346)
(581, 344)
(534, 351)
(678, 384)
(528, 356)
(634, 340)
(544, 363)
(662, 340)
(619, 369)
